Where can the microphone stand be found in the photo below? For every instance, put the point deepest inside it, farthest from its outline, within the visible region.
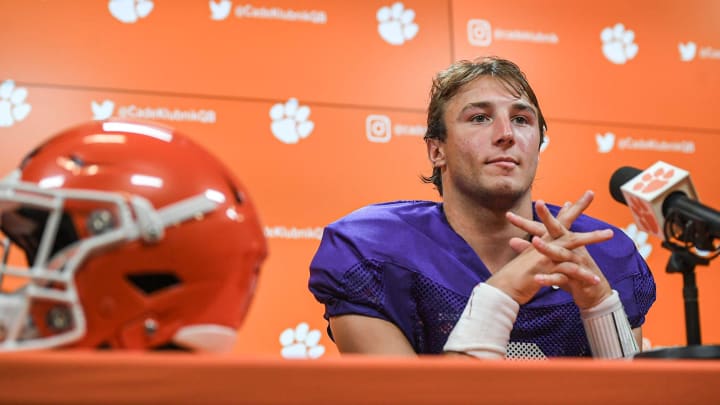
(683, 261)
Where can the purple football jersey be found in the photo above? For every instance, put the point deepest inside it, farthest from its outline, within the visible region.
(402, 262)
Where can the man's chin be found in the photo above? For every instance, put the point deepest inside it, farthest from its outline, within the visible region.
(502, 197)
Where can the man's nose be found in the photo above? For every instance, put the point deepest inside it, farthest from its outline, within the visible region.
(504, 133)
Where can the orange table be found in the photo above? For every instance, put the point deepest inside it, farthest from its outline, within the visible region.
(117, 377)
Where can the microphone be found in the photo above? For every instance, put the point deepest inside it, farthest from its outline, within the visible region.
(663, 201)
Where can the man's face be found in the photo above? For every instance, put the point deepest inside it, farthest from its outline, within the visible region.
(491, 150)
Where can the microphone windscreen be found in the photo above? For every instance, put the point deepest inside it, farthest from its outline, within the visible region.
(620, 177)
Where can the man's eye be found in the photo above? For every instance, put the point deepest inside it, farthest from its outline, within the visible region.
(479, 118)
(521, 120)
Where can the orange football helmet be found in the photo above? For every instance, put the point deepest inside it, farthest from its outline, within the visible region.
(135, 237)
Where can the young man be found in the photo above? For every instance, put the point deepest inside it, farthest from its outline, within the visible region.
(488, 272)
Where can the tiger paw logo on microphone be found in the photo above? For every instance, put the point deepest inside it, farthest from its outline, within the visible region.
(656, 180)
(646, 192)
(643, 215)
(650, 181)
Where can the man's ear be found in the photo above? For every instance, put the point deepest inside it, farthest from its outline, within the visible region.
(436, 152)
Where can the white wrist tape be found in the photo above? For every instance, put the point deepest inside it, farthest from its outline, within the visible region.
(483, 329)
(608, 330)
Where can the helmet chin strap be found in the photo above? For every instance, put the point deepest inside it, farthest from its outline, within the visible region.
(152, 223)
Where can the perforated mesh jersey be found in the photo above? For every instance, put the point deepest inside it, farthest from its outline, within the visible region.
(402, 262)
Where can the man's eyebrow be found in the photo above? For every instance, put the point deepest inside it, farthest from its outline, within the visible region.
(523, 106)
(477, 104)
(517, 105)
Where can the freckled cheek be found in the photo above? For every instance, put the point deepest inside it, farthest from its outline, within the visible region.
(467, 143)
(526, 139)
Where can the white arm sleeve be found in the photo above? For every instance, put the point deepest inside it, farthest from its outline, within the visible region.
(483, 329)
(608, 329)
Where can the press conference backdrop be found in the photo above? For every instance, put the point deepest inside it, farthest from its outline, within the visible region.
(319, 108)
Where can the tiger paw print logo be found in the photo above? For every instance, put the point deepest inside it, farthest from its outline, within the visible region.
(130, 11)
(617, 44)
(648, 183)
(395, 24)
(13, 107)
(643, 214)
(301, 343)
(640, 238)
(290, 121)
(654, 181)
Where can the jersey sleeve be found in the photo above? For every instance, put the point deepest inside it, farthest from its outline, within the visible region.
(638, 291)
(628, 273)
(366, 265)
(344, 280)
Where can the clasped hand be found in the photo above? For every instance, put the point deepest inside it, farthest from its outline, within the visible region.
(554, 256)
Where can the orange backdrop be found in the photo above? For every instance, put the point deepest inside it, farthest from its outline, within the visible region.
(621, 84)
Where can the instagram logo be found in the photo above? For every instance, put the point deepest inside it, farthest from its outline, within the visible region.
(377, 128)
(479, 32)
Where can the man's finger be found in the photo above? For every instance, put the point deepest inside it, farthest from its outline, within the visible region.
(519, 245)
(527, 225)
(574, 240)
(565, 273)
(554, 228)
(554, 252)
(568, 216)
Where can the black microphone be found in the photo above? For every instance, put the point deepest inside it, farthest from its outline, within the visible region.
(664, 194)
(663, 201)
(620, 177)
